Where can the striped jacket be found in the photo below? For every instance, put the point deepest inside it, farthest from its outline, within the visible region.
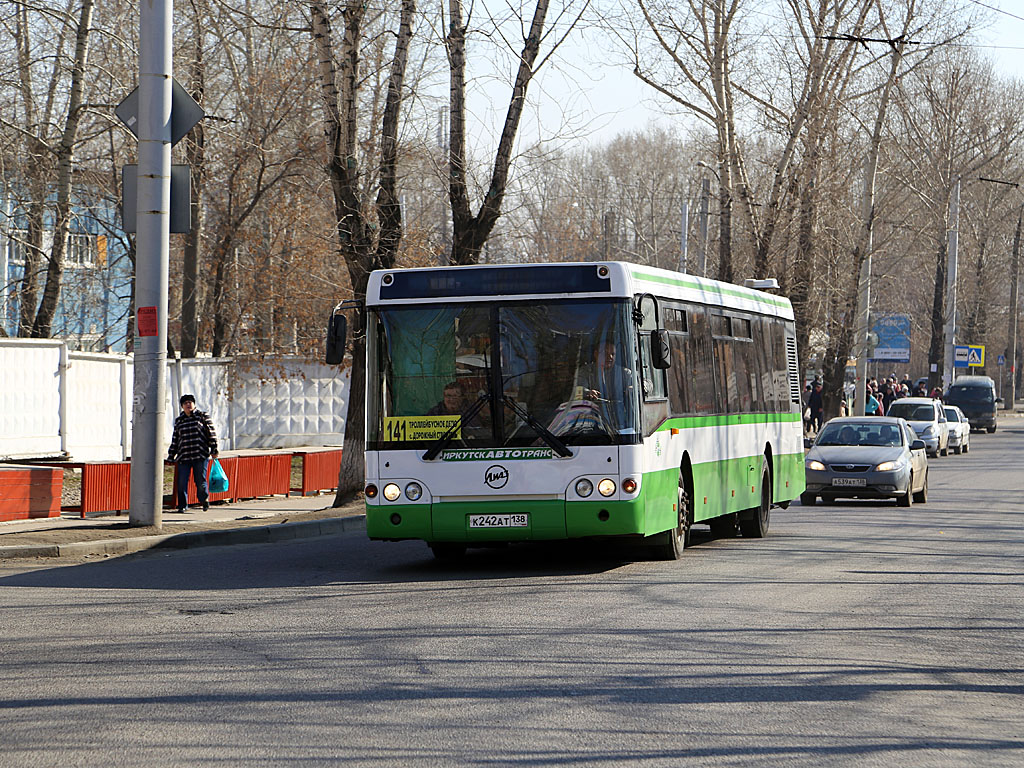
(194, 438)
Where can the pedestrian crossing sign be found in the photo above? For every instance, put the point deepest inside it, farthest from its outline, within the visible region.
(976, 355)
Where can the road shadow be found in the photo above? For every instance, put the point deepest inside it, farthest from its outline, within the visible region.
(347, 558)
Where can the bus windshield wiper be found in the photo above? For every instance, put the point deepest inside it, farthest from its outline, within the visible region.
(472, 410)
(546, 434)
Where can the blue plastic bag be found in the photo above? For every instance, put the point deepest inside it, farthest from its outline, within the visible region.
(217, 481)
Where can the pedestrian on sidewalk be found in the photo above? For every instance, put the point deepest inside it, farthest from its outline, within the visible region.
(193, 442)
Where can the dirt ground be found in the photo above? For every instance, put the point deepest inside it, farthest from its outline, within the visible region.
(92, 530)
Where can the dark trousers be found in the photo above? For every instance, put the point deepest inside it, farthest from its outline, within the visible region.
(196, 469)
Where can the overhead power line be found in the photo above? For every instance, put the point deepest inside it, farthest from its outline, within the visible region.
(891, 42)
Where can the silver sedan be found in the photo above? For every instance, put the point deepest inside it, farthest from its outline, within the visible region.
(867, 457)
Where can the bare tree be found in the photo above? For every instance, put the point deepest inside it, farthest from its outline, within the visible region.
(956, 124)
(368, 230)
(470, 231)
(695, 40)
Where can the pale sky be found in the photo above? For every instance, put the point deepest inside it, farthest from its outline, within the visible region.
(597, 97)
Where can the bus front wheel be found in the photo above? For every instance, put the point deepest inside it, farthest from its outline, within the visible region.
(669, 545)
(754, 523)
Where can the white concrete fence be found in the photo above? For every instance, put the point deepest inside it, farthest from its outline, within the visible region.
(54, 402)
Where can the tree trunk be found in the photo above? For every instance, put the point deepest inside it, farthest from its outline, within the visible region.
(469, 232)
(42, 327)
(29, 299)
(936, 348)
(220, 325)
(355, 231)
(195, 144)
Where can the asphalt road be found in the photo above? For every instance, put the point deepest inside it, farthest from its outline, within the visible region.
(857, 634)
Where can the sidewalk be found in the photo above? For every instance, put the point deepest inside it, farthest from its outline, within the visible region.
(275, 518)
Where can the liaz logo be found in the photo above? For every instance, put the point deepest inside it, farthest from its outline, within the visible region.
(496, 476)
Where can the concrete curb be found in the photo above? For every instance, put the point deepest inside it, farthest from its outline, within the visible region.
(264, 534)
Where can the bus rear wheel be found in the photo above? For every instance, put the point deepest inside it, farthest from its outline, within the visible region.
(669, 545)
(754, 524)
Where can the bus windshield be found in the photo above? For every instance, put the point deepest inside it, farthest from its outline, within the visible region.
(557, 368)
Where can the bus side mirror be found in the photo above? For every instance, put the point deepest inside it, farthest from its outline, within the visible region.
(661, 351)
(337, 330)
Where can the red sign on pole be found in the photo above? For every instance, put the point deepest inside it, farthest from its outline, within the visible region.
(146, 321)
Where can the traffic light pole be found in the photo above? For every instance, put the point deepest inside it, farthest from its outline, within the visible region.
(152, 253)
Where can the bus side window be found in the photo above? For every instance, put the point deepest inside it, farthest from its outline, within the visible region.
(763, 351)
(680, 376)
(654, 378)
(701, 365)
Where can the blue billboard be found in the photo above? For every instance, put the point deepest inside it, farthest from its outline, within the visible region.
(893, 332)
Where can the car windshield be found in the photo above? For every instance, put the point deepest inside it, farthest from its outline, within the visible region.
(558, 368)
(879, 435)
(964, 394)
(951, 414)
(911, 411)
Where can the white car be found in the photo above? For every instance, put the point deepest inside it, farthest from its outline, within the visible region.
(959, 429)
(928, 420)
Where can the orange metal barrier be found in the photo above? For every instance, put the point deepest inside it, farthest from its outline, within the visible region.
(319, 470)
(106, 487)
(28, 492)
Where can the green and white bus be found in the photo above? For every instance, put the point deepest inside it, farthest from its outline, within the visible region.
(569, 401)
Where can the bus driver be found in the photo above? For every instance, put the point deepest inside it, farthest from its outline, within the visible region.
(603, 379)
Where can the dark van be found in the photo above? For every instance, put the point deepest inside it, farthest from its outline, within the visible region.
(976, 397)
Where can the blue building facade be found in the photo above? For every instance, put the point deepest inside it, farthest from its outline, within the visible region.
(95, 297)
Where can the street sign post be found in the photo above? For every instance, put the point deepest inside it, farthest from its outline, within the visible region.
(969, 356)
(159, 112)
(185, 112)
(960, 352)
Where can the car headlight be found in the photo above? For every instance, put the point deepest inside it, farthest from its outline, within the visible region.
(815, 465)
(584, 488)
(413, 491)
(606, 487)
(392, 491)
(928, 431)
(890, 466)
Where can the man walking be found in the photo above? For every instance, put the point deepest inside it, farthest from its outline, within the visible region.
(193, 441)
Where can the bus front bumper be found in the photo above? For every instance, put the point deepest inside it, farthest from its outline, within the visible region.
(503, 520)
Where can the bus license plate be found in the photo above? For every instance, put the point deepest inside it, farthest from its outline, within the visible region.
(854, 481)
(498, 521)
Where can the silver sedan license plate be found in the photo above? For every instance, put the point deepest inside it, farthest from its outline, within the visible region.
(499, 521)
(858, 482)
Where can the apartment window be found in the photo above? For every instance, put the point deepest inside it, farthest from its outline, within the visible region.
(17, 245)
(81, 249)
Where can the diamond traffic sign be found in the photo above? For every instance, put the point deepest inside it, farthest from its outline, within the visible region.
(185, 112)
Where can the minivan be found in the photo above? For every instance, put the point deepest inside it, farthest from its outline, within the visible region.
(976, 397)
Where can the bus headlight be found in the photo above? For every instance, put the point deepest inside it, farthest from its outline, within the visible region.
(606, 487)
(584, 488)
(629, 485)
(413, 491)
(392, 492)
(371, 491)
